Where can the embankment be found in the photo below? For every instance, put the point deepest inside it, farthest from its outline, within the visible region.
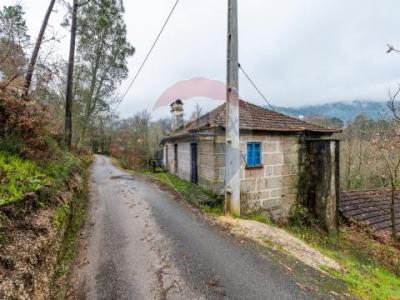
(38, 230)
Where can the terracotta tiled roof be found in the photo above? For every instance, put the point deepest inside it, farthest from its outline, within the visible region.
(253, 117)
(370, 207)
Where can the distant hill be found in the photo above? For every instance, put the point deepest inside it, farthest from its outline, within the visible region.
(346, 111)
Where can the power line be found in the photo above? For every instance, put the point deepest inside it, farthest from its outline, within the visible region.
(255, 86)
(149, 52)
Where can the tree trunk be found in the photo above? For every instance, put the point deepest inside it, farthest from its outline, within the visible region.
(348, 169)
(393, 214)
(70, 80)
(83, 133)
(35, 53)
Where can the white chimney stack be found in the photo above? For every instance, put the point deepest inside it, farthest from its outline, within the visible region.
(176, 115)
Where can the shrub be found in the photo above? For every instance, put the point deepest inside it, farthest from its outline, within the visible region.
(23, 124)
(12, 144)
(300, 216)
(18, 177)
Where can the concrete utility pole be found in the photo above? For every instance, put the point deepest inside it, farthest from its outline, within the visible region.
(232, 151)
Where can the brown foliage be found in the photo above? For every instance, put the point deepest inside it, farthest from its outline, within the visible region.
(23, 118)
(130, 158)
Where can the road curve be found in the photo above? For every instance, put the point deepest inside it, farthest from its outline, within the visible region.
(141, 243)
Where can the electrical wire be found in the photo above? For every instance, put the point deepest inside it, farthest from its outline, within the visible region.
(149, 52)
(255, 86)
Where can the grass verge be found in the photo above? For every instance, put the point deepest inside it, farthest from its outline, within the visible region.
(48, 191)
(371, 269)
(19, 177)
(259, 218)
(192, 193)
(70, 217)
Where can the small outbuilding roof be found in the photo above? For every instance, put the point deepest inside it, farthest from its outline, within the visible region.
(253, 117)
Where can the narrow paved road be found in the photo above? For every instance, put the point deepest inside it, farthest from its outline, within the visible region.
(142, 243)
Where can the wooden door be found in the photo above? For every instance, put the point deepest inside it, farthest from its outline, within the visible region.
(194, 170)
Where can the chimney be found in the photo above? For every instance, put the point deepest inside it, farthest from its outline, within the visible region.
(176, 115)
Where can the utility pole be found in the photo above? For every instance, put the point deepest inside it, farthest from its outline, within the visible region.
(232, 147)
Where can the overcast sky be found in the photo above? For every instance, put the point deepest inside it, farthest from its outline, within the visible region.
(298, 51)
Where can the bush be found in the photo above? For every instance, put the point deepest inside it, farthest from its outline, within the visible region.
(23, 124)
(300, 216)
(19, 177)
(12, 144)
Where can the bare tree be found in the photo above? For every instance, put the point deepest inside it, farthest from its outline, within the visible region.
(393, 105)
(387, 140)
(35, 53)
(391, 48)
(356, 136)
(388, 143)
(197, 114)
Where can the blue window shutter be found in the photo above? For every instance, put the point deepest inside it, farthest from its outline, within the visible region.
(253, 154)
(250, 154)
(257, 154)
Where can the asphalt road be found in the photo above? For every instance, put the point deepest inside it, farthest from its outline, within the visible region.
(141, 243)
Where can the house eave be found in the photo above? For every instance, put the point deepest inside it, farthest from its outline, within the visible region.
(200, 132)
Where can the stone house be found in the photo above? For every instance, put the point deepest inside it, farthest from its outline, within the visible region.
(277, 153)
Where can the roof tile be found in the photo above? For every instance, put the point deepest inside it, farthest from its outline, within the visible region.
(253, 117)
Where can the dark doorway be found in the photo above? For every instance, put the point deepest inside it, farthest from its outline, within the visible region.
(193, 174)
(176, 158)
(166, 157)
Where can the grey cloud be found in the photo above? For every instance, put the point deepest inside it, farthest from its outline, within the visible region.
(298, 51)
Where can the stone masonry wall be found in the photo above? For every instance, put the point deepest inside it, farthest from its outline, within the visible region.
(183, 160)
(271, 189)
(205, 162)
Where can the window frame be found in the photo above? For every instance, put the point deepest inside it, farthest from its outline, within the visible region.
(250, 164)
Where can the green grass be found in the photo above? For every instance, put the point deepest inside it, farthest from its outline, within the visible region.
(258, 217)
(19, 177)
(216, 209)
(191, 192)
(175, 182)
(371, 269)
(61, 216)
(46, 177)
(71, 217)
